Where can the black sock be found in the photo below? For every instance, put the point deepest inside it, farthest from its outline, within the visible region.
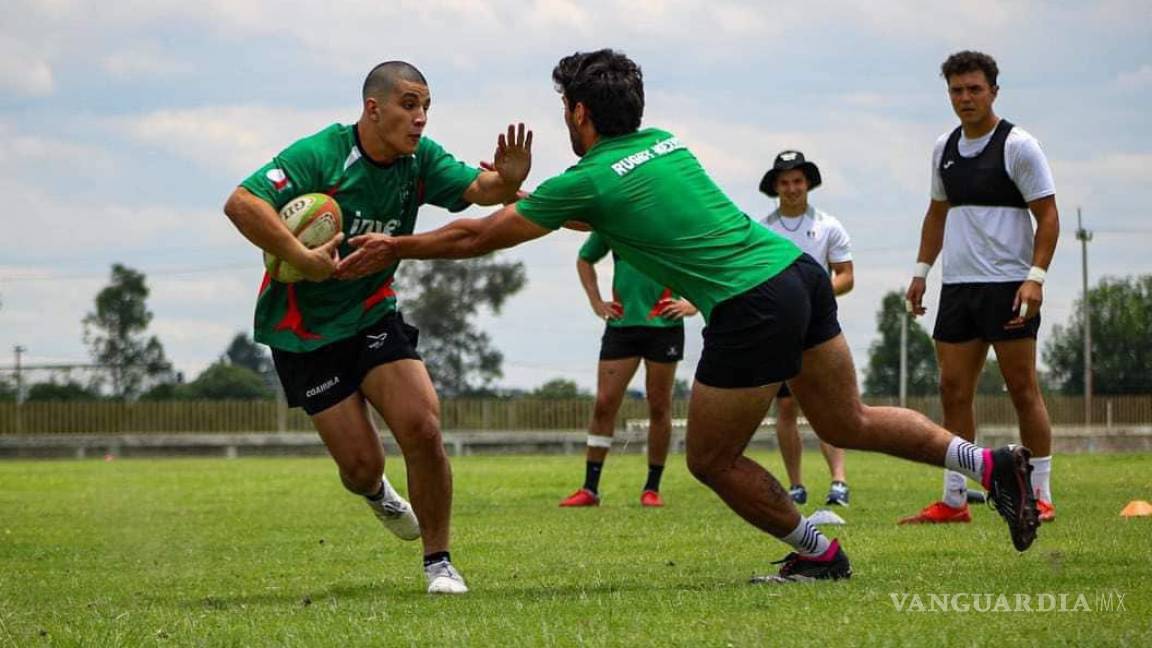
(433, 558)
(654, 474)
(378, 496)
(592, 475)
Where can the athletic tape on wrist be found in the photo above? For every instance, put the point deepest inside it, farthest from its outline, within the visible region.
(1037, 274)
(595, 441)
(922, 270)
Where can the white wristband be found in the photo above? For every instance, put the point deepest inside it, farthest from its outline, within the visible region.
(922, 270)
(1037, 274)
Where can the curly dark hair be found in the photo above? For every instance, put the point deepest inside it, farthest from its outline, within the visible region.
(970, 61)
(609, 84)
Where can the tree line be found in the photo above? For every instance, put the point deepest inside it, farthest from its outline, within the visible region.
(445, 297)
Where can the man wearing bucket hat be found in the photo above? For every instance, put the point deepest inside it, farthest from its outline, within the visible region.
(823, 238)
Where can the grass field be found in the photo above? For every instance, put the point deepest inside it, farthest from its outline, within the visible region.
(273, 552)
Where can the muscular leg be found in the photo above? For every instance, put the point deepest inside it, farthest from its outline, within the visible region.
(612, 378)
(835, 458)
(788, 437)
(402, 393)
(960, 365)
(1018, 365)
(1017, 360)
(659, 378)
(828, 380)
(721, 422)
(353, 443)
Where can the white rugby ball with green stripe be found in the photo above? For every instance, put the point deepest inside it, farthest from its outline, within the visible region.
(314, 219)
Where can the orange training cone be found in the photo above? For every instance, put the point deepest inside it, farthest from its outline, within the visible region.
(1137, 508)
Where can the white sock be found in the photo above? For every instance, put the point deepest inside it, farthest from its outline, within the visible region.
(955, 489)
(1041, 474)
(966, 458)
(807, 540)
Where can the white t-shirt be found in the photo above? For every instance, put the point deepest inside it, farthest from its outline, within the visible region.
(815, 232)
(993, 244)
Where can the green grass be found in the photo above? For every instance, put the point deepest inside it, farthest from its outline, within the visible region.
(273, 552)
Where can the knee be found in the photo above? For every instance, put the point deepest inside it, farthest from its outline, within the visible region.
(659, 410)
(423, 439)
(955, 393)
(362, 475)
(704, 466)
(605, 409)
(847, 431)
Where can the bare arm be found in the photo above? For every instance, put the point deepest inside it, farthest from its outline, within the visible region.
(259, 223)
(510, 166)
(460, 239)
(1030, 295)
(931, 242)
(843, 277)
(589, 281)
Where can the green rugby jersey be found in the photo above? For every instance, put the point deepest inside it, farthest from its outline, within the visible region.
(373, 198)
(656, 207)
(635, 291)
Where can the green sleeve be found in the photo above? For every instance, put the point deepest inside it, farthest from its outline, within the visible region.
(445, 177)
(568, 196)
(594, 248)
(296, 170)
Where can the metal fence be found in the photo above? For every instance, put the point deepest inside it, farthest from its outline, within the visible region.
(101, 417)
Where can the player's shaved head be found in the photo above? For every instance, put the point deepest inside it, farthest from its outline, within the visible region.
(383, 77)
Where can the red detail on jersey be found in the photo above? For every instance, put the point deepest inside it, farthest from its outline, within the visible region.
(383, 292)
(659, 305)
(331, 191)
(264, 283)
(294, 320)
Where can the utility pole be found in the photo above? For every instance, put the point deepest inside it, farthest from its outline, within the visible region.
(19, 350)
(904, 359)
(1084, 236)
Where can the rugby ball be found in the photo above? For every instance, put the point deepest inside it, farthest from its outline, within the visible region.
(314, 219)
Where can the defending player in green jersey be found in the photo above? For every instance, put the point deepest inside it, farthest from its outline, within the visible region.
(339, 344)
(770, 311)
(643, 321)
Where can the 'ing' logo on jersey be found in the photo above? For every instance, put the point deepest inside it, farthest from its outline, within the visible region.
(372, 226)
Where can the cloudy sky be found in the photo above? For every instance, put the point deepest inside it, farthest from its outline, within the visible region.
(125, 124)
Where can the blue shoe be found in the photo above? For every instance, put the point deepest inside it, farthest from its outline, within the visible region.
(799, 494)
(838, 494)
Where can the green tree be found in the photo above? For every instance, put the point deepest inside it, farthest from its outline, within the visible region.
(7, 391)
(114, 333)
(559, 389)
(448, 297)
(226, 381)
(1121, 315)
(882, 376)
(243, 352)
(66, 391)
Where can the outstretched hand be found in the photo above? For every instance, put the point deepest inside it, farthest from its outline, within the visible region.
(374, 252)
(513, 157)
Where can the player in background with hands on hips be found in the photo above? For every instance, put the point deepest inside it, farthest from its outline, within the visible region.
(339, 344)
(770, 311)
(644, 321)
(822, 237)
(990, 179)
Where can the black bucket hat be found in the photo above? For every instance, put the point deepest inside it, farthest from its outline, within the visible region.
(786, 161)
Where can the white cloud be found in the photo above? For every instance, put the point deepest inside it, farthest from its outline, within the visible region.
(1137, 79)
(237, 139)
(25, 75)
